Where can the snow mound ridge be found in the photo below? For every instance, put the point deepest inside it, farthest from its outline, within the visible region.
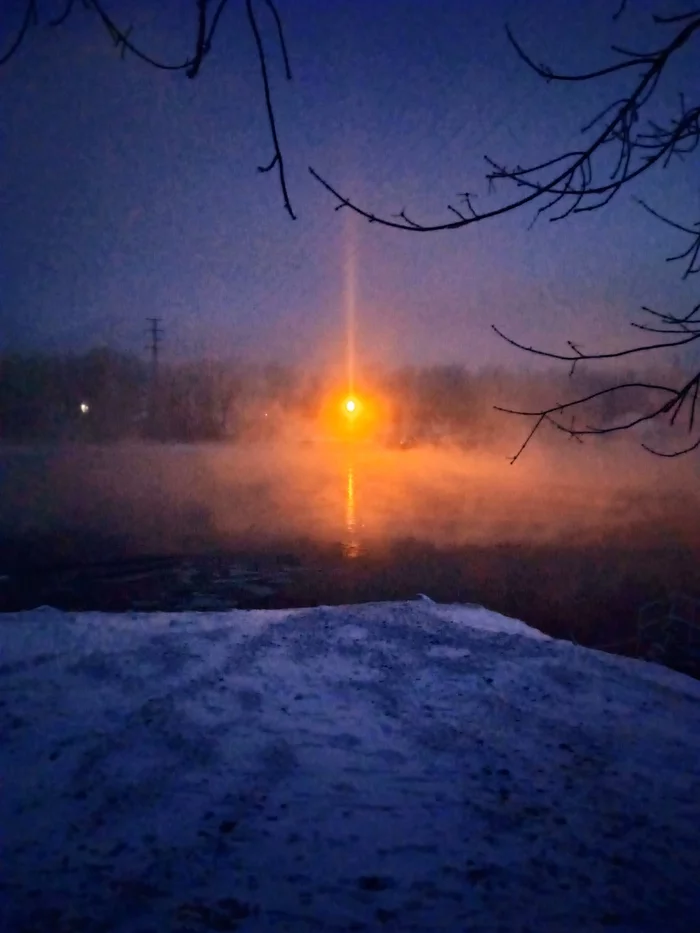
(402, 766)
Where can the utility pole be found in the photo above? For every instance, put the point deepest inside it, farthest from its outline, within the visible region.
(155, 333)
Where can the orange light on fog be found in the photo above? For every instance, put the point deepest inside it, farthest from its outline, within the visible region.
(352, 417)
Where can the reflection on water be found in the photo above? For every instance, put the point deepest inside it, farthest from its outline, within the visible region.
(351, 545)
(356, 498)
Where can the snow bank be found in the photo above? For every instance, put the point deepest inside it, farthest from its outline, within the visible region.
(398, 766)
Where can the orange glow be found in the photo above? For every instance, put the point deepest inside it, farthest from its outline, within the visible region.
(351, 547)
(353, 417)
(350, 300)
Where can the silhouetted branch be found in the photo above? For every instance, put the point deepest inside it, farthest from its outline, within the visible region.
(30, 18)
(692, 254)
(672, 406)
(206, 28)
(122, 41)
(277, 159)
(201, 46)
(532, 433)
(672, 323)
(62, 17)
(673, 453)
(281, 39)
(544, 71)
(121, 37)
(620, 10)
(215, 22)
(573, 176)
(685, 327)
(628, 140)
(578, 356)
(677, 18)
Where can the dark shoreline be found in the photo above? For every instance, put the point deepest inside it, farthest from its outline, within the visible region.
(590, 593)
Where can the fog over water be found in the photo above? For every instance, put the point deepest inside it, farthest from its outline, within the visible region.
(172, 499)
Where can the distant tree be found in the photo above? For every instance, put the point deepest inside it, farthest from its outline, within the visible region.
(95, 396)
(25, 386)
(446, 401)
(112, 386)
(189, 407)
(226, 389)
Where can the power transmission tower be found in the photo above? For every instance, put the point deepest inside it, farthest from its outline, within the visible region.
(155, 332)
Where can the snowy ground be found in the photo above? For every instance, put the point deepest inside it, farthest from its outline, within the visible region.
(402, 766)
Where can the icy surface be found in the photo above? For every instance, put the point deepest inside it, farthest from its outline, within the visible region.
(403, 766)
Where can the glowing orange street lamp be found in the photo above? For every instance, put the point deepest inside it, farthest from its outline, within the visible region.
(350, 405)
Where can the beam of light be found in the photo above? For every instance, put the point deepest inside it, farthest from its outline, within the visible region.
(350, 295)
(350, 405)
(351, 548)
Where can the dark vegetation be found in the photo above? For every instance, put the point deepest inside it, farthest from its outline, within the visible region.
(105, 396)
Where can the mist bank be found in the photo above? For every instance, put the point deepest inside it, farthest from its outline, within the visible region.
(160, 498)
(107, 397)
(573, 538)
(102, 456)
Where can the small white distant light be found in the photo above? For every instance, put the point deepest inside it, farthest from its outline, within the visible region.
(84, 408)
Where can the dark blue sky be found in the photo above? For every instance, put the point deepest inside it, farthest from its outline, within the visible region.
(129, 193)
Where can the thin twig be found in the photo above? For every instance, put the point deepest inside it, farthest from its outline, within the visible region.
(572, 175)
(30, 19)
(201, 44)
(277, 159)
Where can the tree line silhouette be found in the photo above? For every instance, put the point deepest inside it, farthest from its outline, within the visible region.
(103, 396)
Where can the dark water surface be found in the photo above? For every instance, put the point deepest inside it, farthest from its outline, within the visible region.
(573, 540)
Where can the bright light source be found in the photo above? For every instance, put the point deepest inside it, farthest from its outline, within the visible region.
(84, 408)
(350, 405)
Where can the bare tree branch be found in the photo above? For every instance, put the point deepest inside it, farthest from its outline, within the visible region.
(620, 10)
(629, 139)
(692, 254)
(572, 176)
(122, 41)
(679, 330)
(277, 158)
(62, 17)
(577, 356)
(30, 19)
(200, 47)
(677, 18)
(215, 22)
(206, 28)
(676, 399)
(280, 38)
